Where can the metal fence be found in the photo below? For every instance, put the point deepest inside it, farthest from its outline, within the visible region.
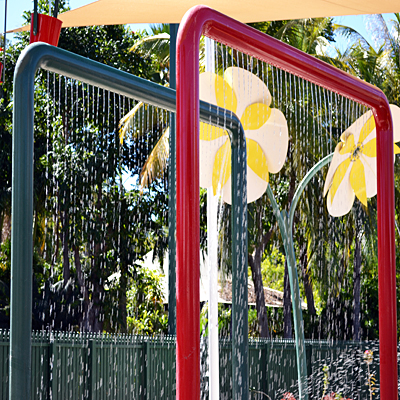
(87, 366)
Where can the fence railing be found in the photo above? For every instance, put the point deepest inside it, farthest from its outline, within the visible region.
(75, 366)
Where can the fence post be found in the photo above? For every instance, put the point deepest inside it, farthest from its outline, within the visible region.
(4, 361)
(53, 370)
(91, 367)
(309, 367)
(147, 368)
(266, 355)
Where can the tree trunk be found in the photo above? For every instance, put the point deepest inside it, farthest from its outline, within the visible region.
(95, 309)
(254, 261)
(287, 306)
(83, 289)
(255, 265)
(66, 268)
(56, 235)
(65, 216)
(95, 317)
(357, 289)
(303, 261)
(5, 227)
(122, 298)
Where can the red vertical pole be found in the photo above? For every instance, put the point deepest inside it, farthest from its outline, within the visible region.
(386, 257)
(187, 221)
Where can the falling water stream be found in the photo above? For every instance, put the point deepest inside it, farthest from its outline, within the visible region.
(100, 235)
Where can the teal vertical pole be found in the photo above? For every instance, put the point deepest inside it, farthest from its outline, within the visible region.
(173, 31)
(21, 236)
(240, 345)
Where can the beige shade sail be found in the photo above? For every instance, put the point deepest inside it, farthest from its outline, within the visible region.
(114, 12)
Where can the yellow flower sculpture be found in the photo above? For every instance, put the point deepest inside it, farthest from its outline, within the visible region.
(352, 172)
(266, 132)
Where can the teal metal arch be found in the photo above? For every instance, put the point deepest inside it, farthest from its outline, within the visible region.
(41, 55)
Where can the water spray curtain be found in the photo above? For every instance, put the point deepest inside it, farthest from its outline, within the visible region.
(95, 218)
(287, 115)
(291, 125)
(101, 186)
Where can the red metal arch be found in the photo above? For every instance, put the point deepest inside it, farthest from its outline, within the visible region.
(201, 20)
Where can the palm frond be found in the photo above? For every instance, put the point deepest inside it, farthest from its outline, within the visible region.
(126, 123)
(156, 162)
(351, 34)
(280, 34)
(159, 28)
(150, 45)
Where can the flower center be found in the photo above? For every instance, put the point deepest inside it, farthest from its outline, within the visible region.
(356, 152)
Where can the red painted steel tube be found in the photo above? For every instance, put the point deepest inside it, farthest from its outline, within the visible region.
(203, 20)
(187, 225)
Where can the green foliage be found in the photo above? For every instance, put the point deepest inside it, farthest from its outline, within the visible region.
(63, 243)
(5, 272)
(304, 34)
(146, 315)
(204, 320)
(275, 315)
(155, 49)
(224, 320)
(253, 323)
(273, 269)
(86, 223)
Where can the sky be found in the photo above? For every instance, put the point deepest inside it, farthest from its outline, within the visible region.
(15, 9)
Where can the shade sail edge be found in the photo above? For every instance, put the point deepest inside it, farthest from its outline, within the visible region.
(122, 12)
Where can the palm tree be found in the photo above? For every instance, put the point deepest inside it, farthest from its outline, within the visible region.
(379, 65)
(308, 35)
(155, 48)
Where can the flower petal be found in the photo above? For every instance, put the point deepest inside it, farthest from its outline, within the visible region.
(366, 129)
(348, 145)
(211, 139)
(396, 125)
(222, 167)
(211, 132)
(343, 200)
(370, 171)
(255, 188)
(357, 181)
(207, 87)
(257, 171)
(256, 159)
(371, 180)
(340, 173)
(396, 122)
(356, 127)
(225, 95)
(248, 88)
(369, 148)
(273, 139)
(255, 116)
(336, 161)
